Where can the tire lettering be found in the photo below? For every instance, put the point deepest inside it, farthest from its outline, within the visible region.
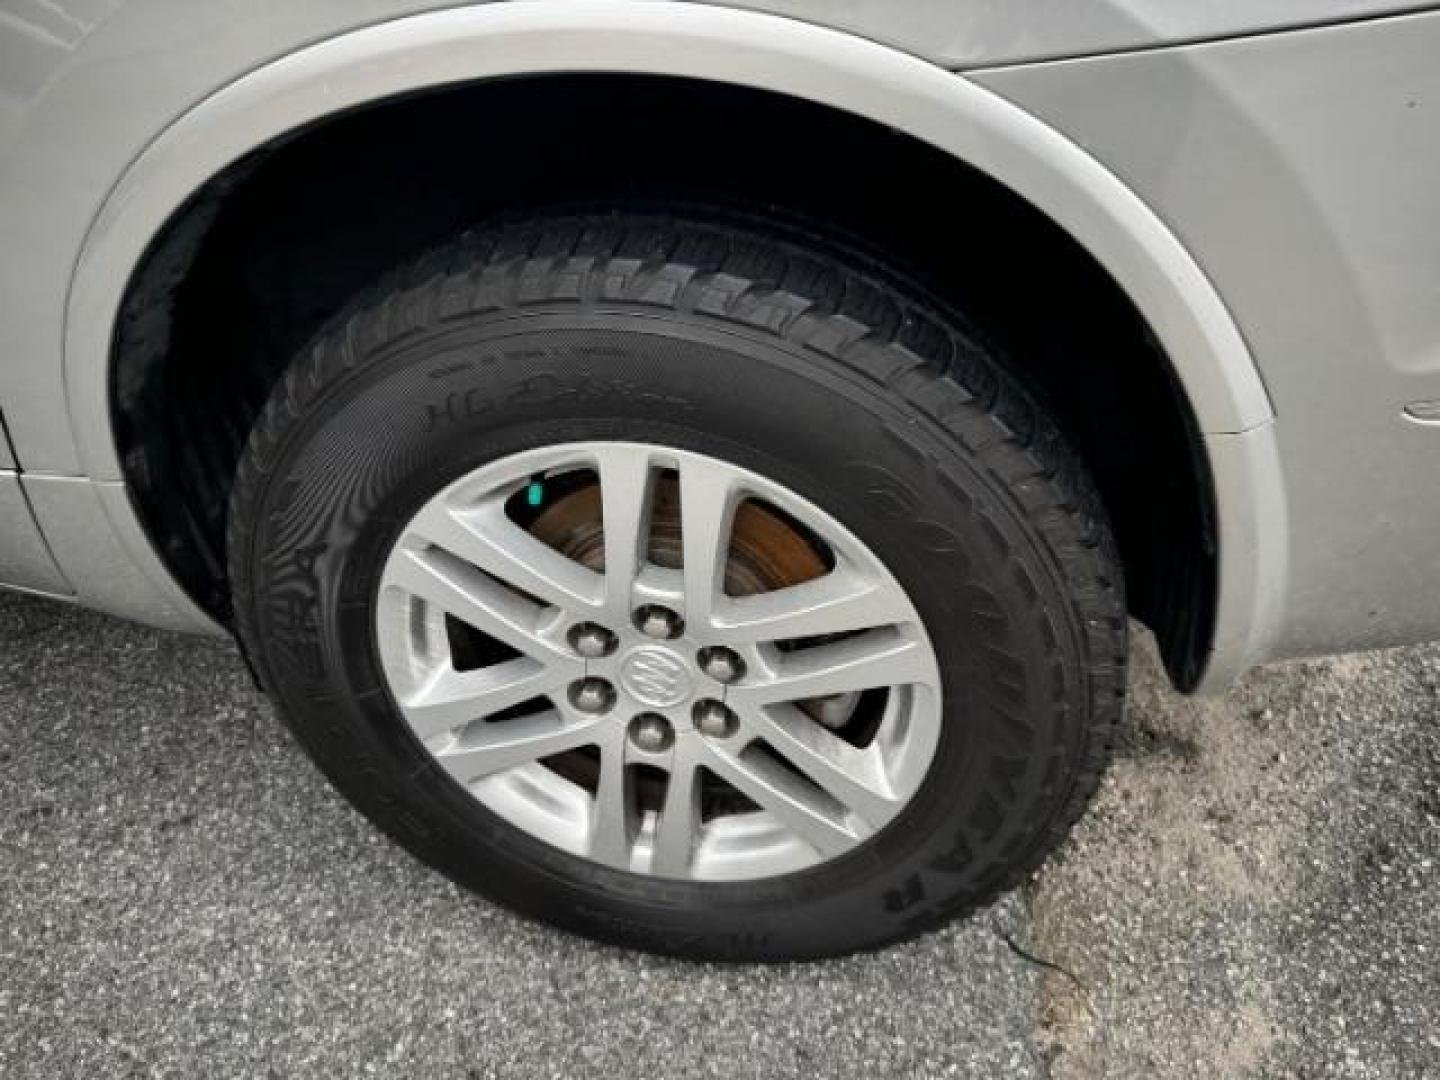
(456, 407)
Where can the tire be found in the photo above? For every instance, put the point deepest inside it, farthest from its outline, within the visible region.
(784, 355)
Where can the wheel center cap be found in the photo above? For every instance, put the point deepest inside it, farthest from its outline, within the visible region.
(656, 676)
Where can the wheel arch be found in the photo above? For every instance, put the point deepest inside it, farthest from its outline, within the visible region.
(1209, 358)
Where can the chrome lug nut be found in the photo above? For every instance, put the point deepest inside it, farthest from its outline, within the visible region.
(659, 622)
(651, 732)
(592, 640)
(592, 695)
(715, 719)
(721, 664)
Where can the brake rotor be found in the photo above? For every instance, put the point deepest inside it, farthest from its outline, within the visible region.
(767, 552)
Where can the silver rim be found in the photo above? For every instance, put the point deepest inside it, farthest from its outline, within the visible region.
(754, 698)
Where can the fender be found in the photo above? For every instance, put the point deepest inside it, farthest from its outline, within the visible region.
(1184, 311)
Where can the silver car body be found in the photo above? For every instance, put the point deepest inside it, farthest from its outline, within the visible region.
(1259, 177)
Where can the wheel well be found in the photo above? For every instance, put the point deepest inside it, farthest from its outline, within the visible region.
(245, 272)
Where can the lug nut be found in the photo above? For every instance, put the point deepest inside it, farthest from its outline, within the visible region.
(721, 664)
(592, 695)
(659, 622)
(651, 732)
(592, 640)
(715, 719)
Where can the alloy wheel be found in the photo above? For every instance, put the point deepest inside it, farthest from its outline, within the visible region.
(659, 661)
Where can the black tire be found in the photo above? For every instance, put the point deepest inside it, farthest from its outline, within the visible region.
(802, 361)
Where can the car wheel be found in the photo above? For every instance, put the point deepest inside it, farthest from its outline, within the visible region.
(691, 584)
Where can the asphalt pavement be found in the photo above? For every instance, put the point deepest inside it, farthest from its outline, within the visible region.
(1256, 893)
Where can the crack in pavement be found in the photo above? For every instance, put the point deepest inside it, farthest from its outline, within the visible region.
(1041, 962)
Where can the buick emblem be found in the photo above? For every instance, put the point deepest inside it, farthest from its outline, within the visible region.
(656, 676)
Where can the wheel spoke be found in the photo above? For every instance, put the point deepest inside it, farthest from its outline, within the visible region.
(508, 743)
(456, 587)
(877, 658)
(452, 698)
(708, 495)
(814, 818)
(853, 777)
(625, 492)
(678, 829)
(612, 822)
(486, 538)
(841, 601)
